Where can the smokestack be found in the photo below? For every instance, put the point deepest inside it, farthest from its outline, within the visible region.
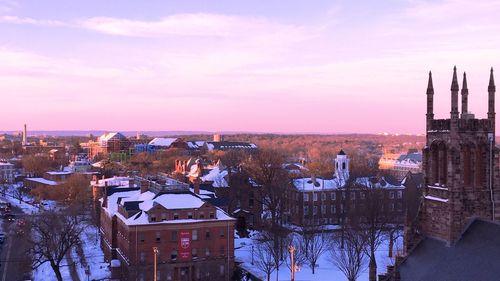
(25, 135)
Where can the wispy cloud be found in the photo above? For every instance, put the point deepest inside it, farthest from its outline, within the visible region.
(32, 21)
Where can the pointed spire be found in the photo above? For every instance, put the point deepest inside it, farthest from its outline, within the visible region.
(465, 93)
(491, 86)
(430, 87)
(454, 82)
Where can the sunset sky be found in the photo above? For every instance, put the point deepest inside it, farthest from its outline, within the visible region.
(257, 66)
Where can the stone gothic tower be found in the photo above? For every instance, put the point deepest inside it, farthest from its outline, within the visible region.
(342, 166)
(460, 164)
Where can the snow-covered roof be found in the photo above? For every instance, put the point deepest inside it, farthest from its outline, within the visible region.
(373, 182)
(59, 173)
(173, 201)
(307, 184)
(114, 181)
(6, 164)
(42, 181)
(148, 200)
(163, 141)
(217, 177)
(108, 136)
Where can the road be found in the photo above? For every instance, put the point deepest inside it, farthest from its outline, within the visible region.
(15, 263)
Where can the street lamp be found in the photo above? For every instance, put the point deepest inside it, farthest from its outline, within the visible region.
(291, 249)
(155, 252)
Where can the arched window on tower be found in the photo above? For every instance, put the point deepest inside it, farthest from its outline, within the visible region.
(480, 166)
(467, 159)
(434, 152)
(343, 165)
(443, 164)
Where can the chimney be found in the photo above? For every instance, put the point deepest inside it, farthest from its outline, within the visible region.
(105, 197)
(196, 184)
(144, 185)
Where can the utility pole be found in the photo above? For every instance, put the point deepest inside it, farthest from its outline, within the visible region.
(291, 249)
(155, 252)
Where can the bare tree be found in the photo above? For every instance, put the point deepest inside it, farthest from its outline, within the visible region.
(264, 259)
(313, 244)
(36, 165)
(266, 168)
(18, 193)
(53, 236)
(351, 258)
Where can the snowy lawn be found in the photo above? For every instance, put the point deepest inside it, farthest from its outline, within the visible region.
(324, 271)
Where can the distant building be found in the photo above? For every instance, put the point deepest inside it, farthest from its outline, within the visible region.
(398, 165)
(6, 172)
(113, 145)
(315, 200)
(195, 240)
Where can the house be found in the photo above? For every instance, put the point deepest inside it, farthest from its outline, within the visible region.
(6, 172)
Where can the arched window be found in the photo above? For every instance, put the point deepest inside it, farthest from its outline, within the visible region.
(480, 160)
(467, 159)
(343, 165)
(434, 159)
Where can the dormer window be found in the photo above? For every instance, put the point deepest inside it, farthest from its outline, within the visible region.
(176, 216)
(153, 218)
(202, 216)
(190, 215)
(163, 217)
(212, 215)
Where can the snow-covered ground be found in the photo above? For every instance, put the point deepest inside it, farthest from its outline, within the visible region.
(324, 271)
(94, 258)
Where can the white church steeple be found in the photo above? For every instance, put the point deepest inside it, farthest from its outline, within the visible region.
(342, 166)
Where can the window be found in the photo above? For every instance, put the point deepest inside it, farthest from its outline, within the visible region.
(342, 208)
(306, 197)
(221, 233)
(306, 210)
(221, 270)
(323, 196)
(173, 255)
(391, 194)
(190, 215)
(143, 256)
(153, 218)
(343, 165)
(176, 216)
(163, 217)
(315, 210)
(362, 195)
(315, 196)
(173, 235)
(323, 210)
(194, 235)
(343, 195)
(392, 206)
(207, 234)
(222, 250)
(141, 237)
(212, 215)
(250, 203)
(169, 275)
(194, 253)
(400, 194)
(207, 252)
(353, 196)
(333, 195)
(333, 209)
(202, 216)
(158, 236)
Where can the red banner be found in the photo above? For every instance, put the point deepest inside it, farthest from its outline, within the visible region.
(185, 245)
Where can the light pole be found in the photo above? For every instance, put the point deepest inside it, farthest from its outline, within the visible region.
(252, 254)
(291, 249)
(155, 252)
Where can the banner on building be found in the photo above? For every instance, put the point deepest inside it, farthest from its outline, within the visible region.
(185, 245)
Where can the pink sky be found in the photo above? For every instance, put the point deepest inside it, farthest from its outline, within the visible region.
(326, 67)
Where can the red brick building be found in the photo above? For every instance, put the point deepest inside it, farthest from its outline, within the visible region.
(195, 239)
